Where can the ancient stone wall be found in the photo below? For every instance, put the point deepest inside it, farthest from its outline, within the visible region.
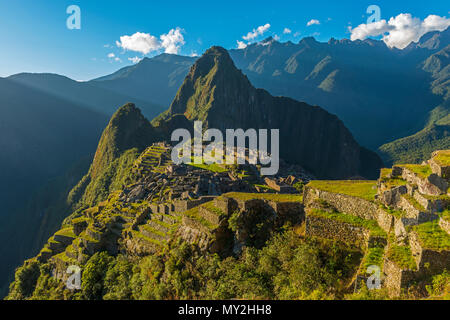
(343, 203)
(333, 229)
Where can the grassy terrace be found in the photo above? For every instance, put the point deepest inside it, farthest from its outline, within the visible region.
(356, 188)
(153, 230)
(266, 196)
(163, 224)
(80, 219)
(443, 158)
(420, 170)
(66, 232)
(370, 225)
(139, 235)
(62, 256)
(210, 206)
(431, 236)
(85, 236)
(193, 214)
(402, 257)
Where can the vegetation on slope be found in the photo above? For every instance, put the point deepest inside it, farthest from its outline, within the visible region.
(126, 136)
(287, 267)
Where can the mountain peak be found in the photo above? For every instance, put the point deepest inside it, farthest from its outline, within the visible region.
(127, 129)
(212, 72)
(308, 40)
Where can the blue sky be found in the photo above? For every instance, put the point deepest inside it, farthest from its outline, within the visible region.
(35, 38)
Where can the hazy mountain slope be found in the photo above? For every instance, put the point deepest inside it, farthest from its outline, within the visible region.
(154, 80)
(41, 137)
(31, 223)
(436, 134)
(216, 92)
(84, 93)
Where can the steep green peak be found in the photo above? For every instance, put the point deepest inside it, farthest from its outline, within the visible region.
(215, 59)
(212, 75)
(127, 129)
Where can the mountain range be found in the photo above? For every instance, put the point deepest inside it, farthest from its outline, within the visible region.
(371, 97)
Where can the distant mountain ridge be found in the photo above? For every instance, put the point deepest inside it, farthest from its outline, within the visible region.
(154, 79)
(83, 93)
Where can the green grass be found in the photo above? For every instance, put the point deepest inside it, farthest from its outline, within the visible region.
(210, 206)
(414, 202)
(370, 225)
(431, 236)
(420, 170)
(62, 256)
(80, 219)
(385, 173)
(214, 167)
(164, 224)
(67, 232)
(362, 189)
(445, 215)
(443, 158)
(402, 257)
(393, 182)
(45, 249)
(266, 196)
(373, 256)
(147, 239)
(153, 230)
(393, 212)
(193, 214)
(85, 236)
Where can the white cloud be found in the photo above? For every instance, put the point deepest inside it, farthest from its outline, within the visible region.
(241, 44)
(276, 37)
(139, 42)
(257, 32)
(172, 41)
(287, 31)
(312, 22)
(117, 59)
(111, 55)
(401, 30)
(135, 59)
(145, 43)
